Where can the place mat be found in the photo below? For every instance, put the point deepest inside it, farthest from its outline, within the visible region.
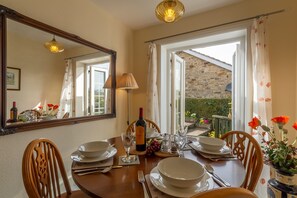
(136, 161)
(108, 162)
(155, 193)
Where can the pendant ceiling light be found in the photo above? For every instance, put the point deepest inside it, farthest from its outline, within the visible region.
(169, 10)
(53, 46)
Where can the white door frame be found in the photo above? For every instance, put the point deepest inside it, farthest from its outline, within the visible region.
(205, 38)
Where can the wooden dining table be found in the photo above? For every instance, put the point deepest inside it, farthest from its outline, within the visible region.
(123, 182)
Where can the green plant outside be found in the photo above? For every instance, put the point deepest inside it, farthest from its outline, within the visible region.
(205, 108)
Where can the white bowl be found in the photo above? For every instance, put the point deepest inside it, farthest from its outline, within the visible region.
(93, 149)
(181, 172)
(211, 144)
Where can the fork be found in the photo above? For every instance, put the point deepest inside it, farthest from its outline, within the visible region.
(141, 179)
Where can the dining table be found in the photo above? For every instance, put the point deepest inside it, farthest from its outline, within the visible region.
(123, 182)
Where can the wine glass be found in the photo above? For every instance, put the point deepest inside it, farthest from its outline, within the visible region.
(127, 139)
(182, 130)
(180, 143)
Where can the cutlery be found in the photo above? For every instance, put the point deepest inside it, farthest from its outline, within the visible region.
(210, 170)
(93, 169)
(222, 159)
(141, 179)
(104, 170)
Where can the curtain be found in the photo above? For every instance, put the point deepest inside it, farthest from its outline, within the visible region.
(262, 103)
(66, 98)
(152, 110)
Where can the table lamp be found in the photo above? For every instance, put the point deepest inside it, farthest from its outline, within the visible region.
(127, 82)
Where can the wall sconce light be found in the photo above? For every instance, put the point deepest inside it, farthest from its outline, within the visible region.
(127, 82)
(169, 11)
(53, 46)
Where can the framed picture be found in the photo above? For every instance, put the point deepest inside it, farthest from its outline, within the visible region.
(13, 78)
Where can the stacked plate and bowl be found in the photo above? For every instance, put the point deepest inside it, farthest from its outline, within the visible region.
(211, 144)
(180, 177)
(93, 152)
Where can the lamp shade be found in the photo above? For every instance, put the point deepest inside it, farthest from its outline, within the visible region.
(108, 83)
(53, 46)
(127, 81)
(169, 10)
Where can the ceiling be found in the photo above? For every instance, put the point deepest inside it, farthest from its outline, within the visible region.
(139, 14)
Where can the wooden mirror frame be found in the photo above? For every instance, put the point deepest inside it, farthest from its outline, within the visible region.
(7, 13)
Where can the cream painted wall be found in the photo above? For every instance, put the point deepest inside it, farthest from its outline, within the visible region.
(87, 20)
(41, 77)
(282, 29)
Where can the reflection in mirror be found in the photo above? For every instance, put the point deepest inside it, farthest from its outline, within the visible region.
(69, 83)
(52, 85)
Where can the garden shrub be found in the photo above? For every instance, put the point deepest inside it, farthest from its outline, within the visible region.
(206, 107)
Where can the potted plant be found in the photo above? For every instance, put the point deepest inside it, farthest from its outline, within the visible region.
(190, 117)
(279, 154)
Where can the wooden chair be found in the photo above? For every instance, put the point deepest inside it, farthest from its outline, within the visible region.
(149, 124)
(231, 192)
(248, 151)
(41, 167)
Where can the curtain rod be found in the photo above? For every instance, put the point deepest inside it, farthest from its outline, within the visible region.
(214, 26)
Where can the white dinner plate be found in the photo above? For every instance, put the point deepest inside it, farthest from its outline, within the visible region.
(157, 180)
(224, 151)
(78, 157)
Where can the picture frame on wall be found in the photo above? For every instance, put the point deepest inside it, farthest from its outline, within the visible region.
(13, 78)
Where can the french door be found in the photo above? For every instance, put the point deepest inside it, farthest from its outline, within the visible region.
(177, 92)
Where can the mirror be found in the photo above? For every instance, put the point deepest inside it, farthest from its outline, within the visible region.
(74, 83)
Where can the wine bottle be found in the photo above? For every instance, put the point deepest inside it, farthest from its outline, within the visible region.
(140, 132)
(14, 113)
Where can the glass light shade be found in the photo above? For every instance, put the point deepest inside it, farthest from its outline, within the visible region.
(127, 81)
(169, 10)
(53, 46)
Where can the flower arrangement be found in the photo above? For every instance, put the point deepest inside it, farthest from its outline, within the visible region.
(277, 150)
(204, 121)
(51, 110)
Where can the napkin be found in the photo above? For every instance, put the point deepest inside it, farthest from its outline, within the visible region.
(105, 163)
(155, 193)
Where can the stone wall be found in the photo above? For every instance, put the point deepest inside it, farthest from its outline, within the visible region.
(204, 79)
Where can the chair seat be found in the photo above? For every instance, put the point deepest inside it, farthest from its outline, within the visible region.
(75, 194)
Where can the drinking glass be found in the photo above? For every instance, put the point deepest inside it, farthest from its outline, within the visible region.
(127, 139)
(166, 143)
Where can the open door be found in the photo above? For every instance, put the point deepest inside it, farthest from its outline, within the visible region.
(238, 90)
(177, 92)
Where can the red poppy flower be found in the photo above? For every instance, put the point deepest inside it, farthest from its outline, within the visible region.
(295, 125)
(55, 107)
(280, 120)
(254, 123)
(50, 105)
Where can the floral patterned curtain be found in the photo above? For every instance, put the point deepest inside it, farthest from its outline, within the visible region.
(66, 98)
(262, 102)
(152, 110)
